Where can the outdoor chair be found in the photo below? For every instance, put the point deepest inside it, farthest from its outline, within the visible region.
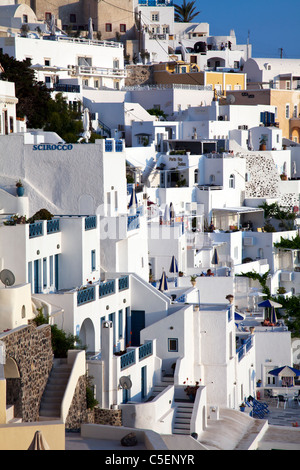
(281, 399)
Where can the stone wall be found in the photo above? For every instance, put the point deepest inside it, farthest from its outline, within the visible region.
(29, 349)
(103, 416)
(78, 412)
(264, 178)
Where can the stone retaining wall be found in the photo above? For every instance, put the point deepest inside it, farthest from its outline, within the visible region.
(29, 353)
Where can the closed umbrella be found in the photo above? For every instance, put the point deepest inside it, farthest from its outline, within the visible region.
(167, 214)
(215, 257)
(133, 199)
(86, 125)
(163, 285)
(90, 29)
(52, 25)
(173, 266)
(39, 442)
(172, 212)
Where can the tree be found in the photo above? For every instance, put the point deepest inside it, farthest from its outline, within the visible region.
(186, 12)
(64, 121)
(35, 102)
(33, 96)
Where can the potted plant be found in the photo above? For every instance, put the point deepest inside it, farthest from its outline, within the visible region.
(193, 280)
(20, 188)
(263, 142)
(258, 383)
(283, 177)
(242, 407)
(191, 391)
(180, 274)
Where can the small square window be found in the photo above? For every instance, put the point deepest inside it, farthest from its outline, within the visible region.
(108, 27)
(72, 18)
(173, 344)
(122, 28)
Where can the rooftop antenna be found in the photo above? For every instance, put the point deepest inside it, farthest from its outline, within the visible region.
(281, 52)
(7, 277)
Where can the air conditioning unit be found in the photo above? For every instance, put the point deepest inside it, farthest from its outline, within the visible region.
(248, 241)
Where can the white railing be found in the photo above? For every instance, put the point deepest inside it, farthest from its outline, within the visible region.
(89, 70)
(77, 358)
(172, 86)
(92, 42)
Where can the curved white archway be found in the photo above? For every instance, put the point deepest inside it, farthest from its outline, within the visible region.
(87, 335)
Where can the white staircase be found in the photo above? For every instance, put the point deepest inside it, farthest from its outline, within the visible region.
(160, 387)
(182, 418)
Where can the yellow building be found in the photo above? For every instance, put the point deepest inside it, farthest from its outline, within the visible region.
(178, 72)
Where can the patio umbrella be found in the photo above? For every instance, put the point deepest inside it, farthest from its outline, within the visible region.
(173, 266)
(133, 199)
(38, 442)
(269, 304)
(163, 285)
(255, 293)
(215, 257)
(172, 212)
(167, 214)
(90, 29)
(86, 125)
(52, 25)
(285, 371)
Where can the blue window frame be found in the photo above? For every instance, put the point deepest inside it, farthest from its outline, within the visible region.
(93, 260)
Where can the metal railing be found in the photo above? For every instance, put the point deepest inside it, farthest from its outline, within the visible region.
(145, 350)
(86, 295)
(127, 359)
(107, 288)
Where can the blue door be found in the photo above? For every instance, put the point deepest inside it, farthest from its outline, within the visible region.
(144, 381)
(56, 271)
(137, 324)
(36, 276)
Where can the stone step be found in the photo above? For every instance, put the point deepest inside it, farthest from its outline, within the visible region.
(181, 431)
(182, 420)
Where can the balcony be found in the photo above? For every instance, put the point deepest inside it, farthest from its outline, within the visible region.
(36, 229)
(245, 347)
(53, 226)
(85, 295)
(107, 288)
(90, 222)
(88, 70)
(127, 359)
(123, 283)
(133, 222)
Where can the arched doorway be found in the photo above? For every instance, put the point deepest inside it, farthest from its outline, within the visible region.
(11, 370)
(87, 335)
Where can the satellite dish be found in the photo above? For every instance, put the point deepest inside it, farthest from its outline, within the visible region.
(230, 99)
(125, 382)
(7, 277)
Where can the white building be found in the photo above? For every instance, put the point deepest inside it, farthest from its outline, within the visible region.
(273, 73)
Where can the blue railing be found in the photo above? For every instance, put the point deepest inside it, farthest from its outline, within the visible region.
(244, 348)
(36, 229)
(86, 295)
(119, 146)
(107, 288)
(108, 145)
(53, 226)
(123, 283)
(90, 222)
(154, 3)
(133, 222)
(145, 350)
(127, 359)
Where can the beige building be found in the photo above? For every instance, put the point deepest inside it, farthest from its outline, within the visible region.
(112, 19)
(287, 104)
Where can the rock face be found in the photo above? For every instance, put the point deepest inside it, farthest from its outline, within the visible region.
(139, 75)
